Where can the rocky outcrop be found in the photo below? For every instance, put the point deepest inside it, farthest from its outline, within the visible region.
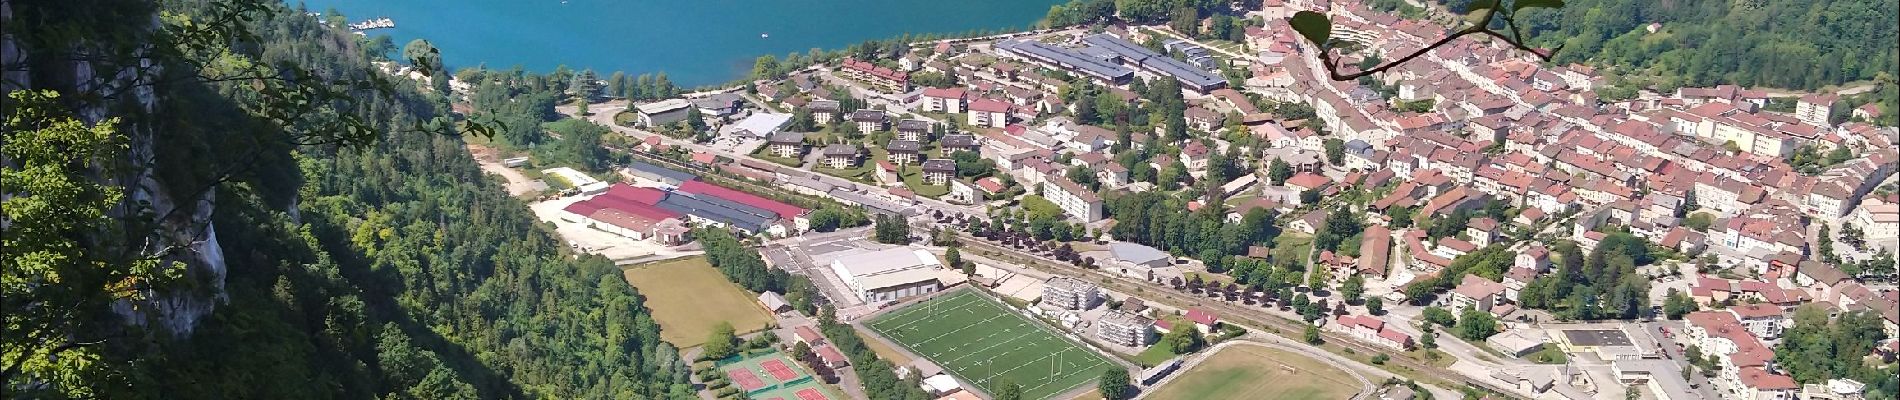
(178, 221)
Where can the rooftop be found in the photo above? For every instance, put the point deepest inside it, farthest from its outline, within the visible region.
(1135, 252)
(887, 261)
(663, 106)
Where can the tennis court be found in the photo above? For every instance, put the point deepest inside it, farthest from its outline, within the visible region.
(811, 394)
(779, 370)
(980, 341)
(774, 375)
(745, 379)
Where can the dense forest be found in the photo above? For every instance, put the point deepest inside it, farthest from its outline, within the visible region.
(1754, 43)
(384, 267)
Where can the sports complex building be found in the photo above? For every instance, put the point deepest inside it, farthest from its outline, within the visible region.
(891, 274)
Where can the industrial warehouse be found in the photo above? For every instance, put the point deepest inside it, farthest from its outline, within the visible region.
(662, 215)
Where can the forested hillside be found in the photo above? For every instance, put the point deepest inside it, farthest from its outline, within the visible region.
(1753, 43)
(387, 267)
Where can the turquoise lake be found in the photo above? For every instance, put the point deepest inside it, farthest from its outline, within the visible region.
(696, 42)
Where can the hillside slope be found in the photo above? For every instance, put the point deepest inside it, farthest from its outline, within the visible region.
(386, 268)
(1755, 43)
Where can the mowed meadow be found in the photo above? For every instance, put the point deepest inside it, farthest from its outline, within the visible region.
(688, 298)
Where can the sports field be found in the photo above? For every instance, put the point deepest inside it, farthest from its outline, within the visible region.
(979, 341)
(688, 297)
(1259, 372)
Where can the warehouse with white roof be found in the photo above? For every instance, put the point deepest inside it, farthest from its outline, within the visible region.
(890, 274)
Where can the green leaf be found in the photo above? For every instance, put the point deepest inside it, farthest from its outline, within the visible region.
(1314, 26)
(1523, 4)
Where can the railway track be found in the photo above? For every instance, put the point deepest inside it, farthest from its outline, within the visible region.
(1250, 316)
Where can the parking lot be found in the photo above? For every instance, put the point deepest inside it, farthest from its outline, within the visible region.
(589, 240)
(737, 144)
(812, 257)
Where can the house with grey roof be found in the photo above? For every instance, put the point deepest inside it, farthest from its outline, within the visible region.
(903, 152)
(939, 171)
(786, 144)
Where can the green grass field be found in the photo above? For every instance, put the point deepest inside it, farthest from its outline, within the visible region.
(1258, 372)
(688, 297)
(976, 339)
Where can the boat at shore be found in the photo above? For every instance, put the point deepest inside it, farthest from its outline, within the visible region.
(378, 23)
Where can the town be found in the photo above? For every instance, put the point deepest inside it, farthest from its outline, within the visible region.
(1134, 198)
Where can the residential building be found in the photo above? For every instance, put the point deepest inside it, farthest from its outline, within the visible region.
(989, 113)
(882, 79)
(1476, 292)
(1372, 330)
(841, 156)
(824, 111)
(915, 130)
(1762, 320)
(1077, 201)
(947, 101)
(1125, 329)
(939, 171)
(786, 144)
(1743, 358)
(1070, 293)
(951, 144)
(903, 152)
(870, 120)
(1814, 109)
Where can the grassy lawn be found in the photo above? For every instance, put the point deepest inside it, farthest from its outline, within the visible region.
(914, 178)
(887, 353)
(1207, 277)
(1293, 245)
(1154, 355)
(862, 173)
(765, 153)
(626, 118)
(1039, 207)
(688, 297)
(1257, 372)
(1549, 355)
(974, 338)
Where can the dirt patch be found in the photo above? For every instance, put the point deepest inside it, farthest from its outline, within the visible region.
(490, 161)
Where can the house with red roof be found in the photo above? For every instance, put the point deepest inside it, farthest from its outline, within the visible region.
(831, 357)
(945, 100)
(1371, 329)
(1744, 359)
(881, 78)
(1308, 181)
(1476, 292)
(1203, 320)
(989, 113)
